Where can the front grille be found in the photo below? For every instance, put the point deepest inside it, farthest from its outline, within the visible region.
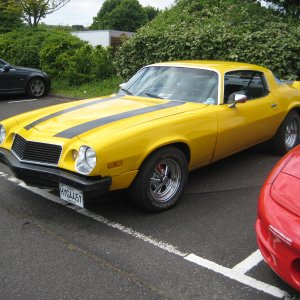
(36, 152)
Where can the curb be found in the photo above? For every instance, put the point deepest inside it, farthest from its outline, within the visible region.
(70, 98)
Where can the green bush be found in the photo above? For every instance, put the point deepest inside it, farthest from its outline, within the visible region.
(22, 47)
(234, 30)
(86, 64)
(57, 52)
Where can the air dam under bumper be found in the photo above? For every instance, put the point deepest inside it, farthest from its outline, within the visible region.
(51, 177)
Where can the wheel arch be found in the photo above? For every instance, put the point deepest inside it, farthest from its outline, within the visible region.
(289, 109)
(37, 76)
(296, 109)
(279, 144)
(182, 146)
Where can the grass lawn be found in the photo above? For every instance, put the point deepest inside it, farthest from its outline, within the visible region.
(87, 90)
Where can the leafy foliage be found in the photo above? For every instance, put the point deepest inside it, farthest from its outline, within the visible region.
(234, 30)
(101, 21)
(22, 47)
(57, 52)
(290, 7)
(9, 19)
(126, 15)
(151, 12)
(33, 11)
(85, 64)
(87, 90)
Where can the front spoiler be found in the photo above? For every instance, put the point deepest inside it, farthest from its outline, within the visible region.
(51, 177)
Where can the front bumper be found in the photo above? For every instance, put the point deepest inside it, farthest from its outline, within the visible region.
(51, 177)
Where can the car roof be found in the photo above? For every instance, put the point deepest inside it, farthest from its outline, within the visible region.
(222, 66)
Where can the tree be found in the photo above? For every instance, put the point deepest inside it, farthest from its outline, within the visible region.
(9, 19)
(290, 7)
(151, 12)
(101, 21)
(34, 10)
(127, 15)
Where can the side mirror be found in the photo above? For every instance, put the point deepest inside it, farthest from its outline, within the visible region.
(7, 67)
(238, 98)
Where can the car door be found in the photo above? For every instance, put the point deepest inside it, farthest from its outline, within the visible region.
(11, 80)
(246, 124)
(3, 83)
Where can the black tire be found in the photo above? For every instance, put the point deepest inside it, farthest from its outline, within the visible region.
(37, 87)
(287, 136)
(160, 180)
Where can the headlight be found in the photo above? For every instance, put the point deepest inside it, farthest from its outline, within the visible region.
(2, 133)
(86, 160)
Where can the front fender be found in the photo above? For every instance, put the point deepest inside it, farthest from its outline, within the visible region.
(127, 149)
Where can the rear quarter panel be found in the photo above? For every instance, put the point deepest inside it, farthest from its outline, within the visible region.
(288, 96)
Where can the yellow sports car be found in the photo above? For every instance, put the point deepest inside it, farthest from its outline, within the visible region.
(168, 119)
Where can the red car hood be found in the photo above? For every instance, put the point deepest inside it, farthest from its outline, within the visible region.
(293, 166)
(286, 187)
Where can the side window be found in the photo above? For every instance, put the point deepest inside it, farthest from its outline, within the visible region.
(1, 64)
(249, 83)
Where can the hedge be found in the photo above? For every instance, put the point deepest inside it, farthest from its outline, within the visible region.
(57, 52)
(233, 30)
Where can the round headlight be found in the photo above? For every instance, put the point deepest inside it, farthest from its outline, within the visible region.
(2, 133)
(86, 160)
(90, 157)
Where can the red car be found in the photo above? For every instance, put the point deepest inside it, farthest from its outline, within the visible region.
(278, 221)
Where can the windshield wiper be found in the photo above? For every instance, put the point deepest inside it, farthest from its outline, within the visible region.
(153, 96)
(126, 91)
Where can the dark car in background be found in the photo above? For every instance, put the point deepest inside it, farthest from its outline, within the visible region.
(20, 80)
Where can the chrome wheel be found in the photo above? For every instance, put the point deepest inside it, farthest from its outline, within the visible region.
(291, 134)
(165, 180)
(37, 87)
(161, 180)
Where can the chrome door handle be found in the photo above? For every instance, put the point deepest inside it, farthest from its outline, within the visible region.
(274, 105)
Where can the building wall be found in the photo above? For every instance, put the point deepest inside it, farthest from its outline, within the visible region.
(100, 37)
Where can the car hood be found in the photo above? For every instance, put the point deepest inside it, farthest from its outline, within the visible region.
(293, 166)
(286, 187)
(25, 69)
(88, 118)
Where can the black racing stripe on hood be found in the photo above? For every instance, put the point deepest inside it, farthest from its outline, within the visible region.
(79, 129)
(67, 110)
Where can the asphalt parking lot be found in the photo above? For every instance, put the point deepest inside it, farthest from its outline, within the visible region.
(204, 248)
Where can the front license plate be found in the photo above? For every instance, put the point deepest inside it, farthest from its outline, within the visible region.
(71, 195)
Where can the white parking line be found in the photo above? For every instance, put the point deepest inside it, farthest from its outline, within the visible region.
(249, 263)
(18, 101)
(162, 245)
(232, 274)
(236, 273)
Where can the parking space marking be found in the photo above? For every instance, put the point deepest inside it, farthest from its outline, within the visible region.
(236, 273)
(18, 101)
(233, 274)
(127, 230)
(250, 262)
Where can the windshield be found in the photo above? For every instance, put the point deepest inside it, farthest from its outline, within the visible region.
(174, 83)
